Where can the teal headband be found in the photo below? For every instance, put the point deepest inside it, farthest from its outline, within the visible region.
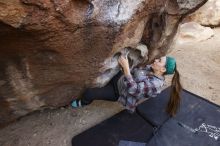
(170, 65)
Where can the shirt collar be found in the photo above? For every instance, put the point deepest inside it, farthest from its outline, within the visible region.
(159, 77)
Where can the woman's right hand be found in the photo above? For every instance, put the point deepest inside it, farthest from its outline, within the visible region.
(124, 64)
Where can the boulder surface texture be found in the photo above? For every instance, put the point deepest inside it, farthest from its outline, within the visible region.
(207, 15)
(52, 49)
(192, 32)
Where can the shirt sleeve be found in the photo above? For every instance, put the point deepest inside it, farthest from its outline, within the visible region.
(145, 87)
(133, 70)
(148, 67)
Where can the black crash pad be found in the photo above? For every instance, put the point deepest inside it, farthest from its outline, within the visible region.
(196, 123)
(175, 133)
(130, 143)
(153, 110)
(122, 126)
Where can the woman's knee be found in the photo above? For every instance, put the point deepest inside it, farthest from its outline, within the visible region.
(88, 93)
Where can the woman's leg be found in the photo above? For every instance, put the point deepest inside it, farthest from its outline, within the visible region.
(104, 93)
(114, 82)
(108, 92)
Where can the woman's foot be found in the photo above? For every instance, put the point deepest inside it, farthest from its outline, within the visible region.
(76, 103)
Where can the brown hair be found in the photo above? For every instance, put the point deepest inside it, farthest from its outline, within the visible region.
(174, 101)
(176, 87)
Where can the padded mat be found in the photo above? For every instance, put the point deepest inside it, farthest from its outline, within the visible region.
(153, 110)
(174, 133)
(122, 126)
(196, 123)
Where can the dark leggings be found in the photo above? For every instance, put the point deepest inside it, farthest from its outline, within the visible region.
(108, 92)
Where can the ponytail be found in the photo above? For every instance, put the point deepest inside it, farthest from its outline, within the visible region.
(174, 102)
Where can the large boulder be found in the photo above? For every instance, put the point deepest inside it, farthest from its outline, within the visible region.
(53, 49)
(208, 14)
(192, 32)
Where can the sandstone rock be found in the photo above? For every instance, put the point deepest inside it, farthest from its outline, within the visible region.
(12, 13)
(143, 48)
(193, 32)
(208, 14)
(163, 26)
(52, 49)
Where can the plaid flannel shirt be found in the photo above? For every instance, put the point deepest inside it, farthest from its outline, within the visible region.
(138, 86)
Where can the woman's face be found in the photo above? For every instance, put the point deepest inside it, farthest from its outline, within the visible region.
(159, 64)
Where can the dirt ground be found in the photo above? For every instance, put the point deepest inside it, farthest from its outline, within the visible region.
(198, 64)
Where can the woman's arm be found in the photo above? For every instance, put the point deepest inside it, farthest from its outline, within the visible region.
(125, 65)
(135, 89)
